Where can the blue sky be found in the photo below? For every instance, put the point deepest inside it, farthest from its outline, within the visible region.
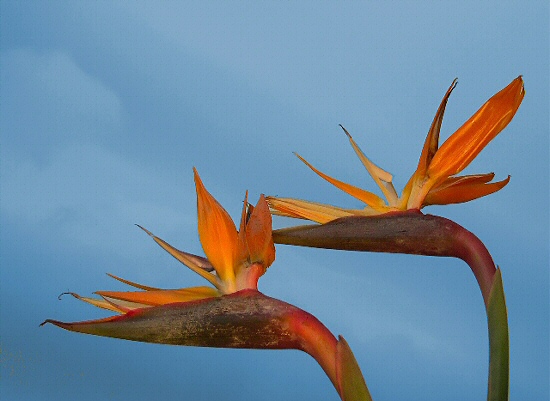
(106, 107)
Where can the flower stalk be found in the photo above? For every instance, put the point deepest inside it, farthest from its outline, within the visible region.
(412, 232)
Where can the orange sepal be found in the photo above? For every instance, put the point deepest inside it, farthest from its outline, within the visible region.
(465, 144)
(100, 303)
(367, 197)
(258, 234)
(160, 297)
(431, 145)
(243, 253)
(131, 283)
(463, 189)
(432, 139)
(301, 209)
(217, 232)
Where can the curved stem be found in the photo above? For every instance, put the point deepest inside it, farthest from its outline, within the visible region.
(473, 251)
(316, 340)
(470, 249)
(412, 232)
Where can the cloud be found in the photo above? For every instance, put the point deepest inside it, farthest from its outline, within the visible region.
(57, 174)
(89, 196)
(375, 305)
(53, 101)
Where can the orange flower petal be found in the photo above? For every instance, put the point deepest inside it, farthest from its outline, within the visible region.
(318, 212)
(414, 185)
(100, 303)
(125, 306)
(465, 144)
(131, 283)
(258, 235)
(382, 178)
(243, 253)
(463, 189)
(432, 139)
(367, 197)
(217, 232)
(245, 213)
(471, 179)
(199, 265)
(160, 297)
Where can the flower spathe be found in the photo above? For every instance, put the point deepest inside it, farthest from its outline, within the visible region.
(434, 182)
(234, 259)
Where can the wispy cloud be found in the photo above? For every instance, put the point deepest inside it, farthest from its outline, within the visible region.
(53, 100)
(55, 170)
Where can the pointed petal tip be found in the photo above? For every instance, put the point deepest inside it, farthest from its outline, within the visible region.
(149, 233)
(73, 294)
(197, 178)
(364, 196)
(54, 322)
(345, 131)
(199, 186)
(244, 212)
(517, 86)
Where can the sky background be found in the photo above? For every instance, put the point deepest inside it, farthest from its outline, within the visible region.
(105, 108)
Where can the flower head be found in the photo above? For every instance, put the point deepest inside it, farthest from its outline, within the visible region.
(232, 313)
(234, 259)
(434, 181)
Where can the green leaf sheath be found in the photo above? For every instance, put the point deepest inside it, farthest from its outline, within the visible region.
(350, 379)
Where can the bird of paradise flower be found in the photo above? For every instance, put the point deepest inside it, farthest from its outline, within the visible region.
(434, 181)
(232, 313)
(396, 224)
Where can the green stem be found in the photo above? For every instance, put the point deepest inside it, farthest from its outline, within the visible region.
(412, 232)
